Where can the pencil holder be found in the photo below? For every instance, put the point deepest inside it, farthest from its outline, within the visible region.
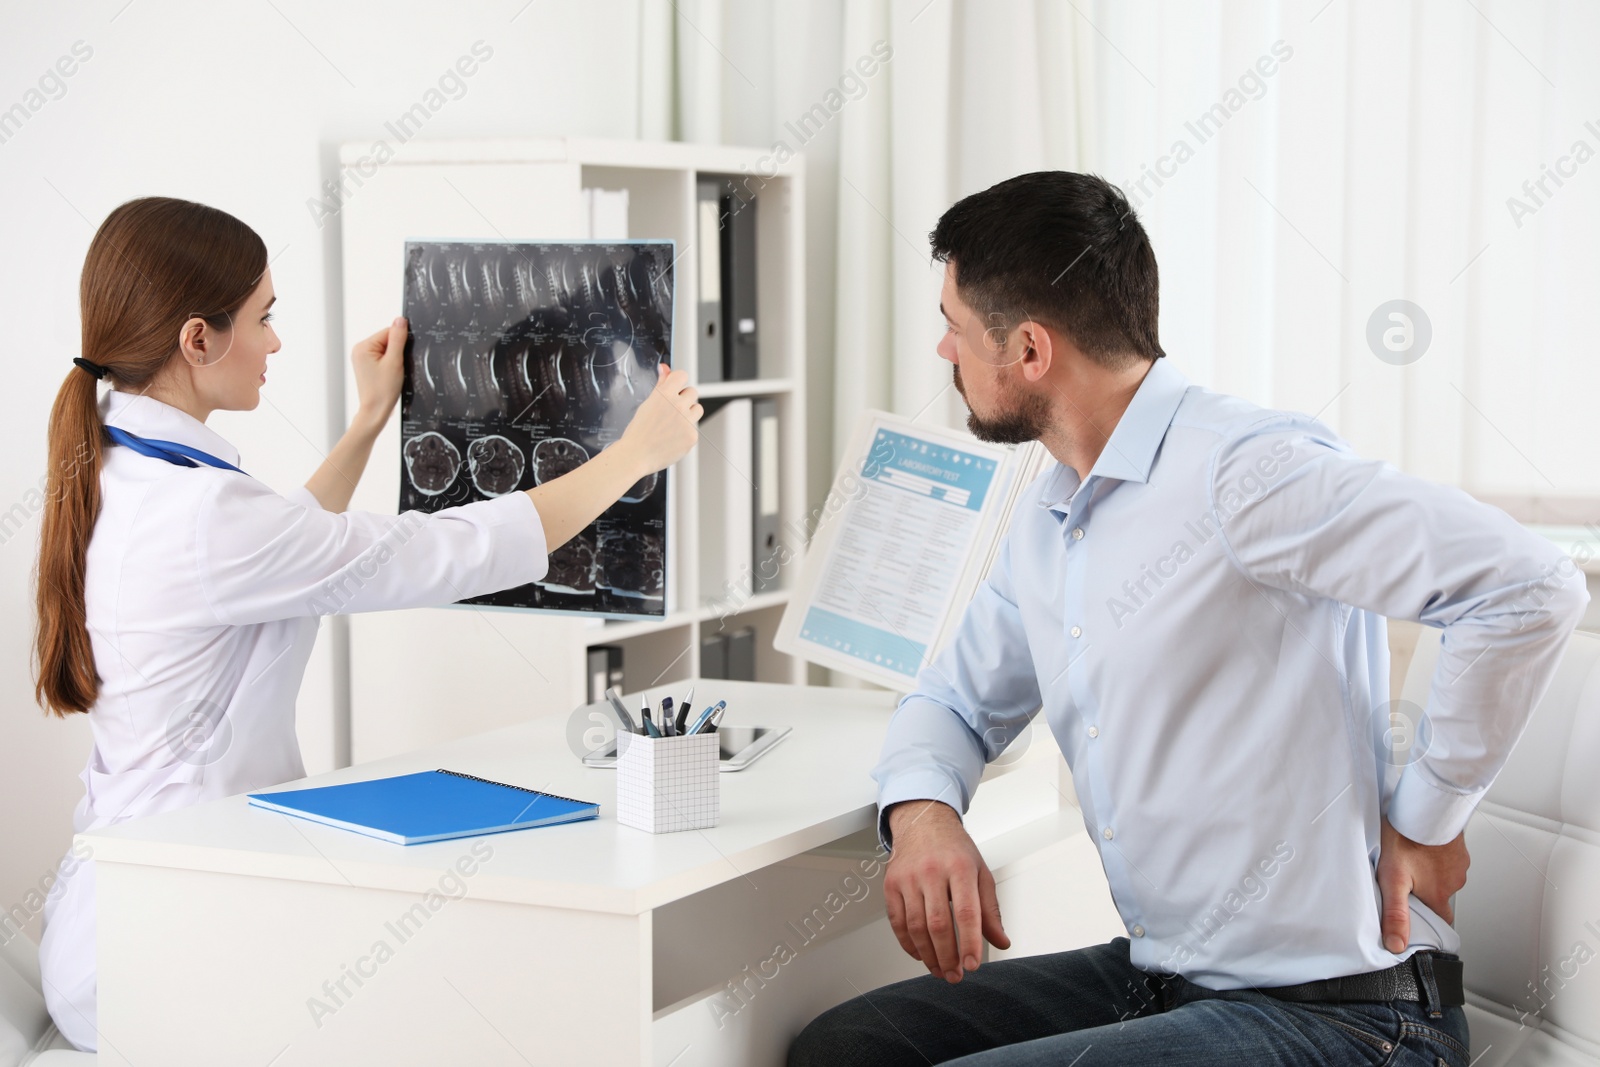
(668, 783)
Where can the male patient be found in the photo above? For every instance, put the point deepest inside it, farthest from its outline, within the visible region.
(1195, 593)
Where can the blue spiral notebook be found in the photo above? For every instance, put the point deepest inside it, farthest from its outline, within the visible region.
(410, 809)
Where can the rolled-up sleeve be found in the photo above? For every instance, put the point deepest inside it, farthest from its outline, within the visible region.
(1300, 512)
(260, 556)
(969, 703)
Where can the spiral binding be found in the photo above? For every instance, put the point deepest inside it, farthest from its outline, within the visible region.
(520, 788)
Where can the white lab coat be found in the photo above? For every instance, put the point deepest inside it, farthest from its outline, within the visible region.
(203, 589)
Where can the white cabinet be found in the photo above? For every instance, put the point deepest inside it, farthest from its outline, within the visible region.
(490, 666)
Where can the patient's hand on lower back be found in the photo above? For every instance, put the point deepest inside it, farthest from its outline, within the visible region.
(1432, 872)
(935, 870)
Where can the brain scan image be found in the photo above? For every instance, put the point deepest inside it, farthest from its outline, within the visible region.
(496, 464)
(633, 564)
(432, 463)
(556, 456)
(572, 567)
(525, 359)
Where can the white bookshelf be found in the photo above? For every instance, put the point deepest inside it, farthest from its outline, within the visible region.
(427, 675)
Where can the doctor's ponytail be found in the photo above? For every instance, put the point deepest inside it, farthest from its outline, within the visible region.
(154, 264)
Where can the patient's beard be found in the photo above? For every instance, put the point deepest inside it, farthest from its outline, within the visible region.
(1026, 421)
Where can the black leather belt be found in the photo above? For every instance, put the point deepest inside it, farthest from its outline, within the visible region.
(1404, 981)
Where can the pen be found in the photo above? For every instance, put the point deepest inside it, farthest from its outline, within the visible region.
(644, 709)
(650, 727)
(709, 718)
(714, 722)
(666, 717)
(683, 710)
(622, 710)
(701, 720)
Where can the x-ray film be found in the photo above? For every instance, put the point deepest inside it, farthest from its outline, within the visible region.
(524, 361)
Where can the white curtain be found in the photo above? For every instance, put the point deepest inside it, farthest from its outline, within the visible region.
(1376, 163)
(972, 93)
(1336, 155)
(978, 92)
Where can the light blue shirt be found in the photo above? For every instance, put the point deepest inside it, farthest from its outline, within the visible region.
(1202, 621)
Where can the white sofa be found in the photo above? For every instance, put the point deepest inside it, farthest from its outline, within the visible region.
(1529, 916)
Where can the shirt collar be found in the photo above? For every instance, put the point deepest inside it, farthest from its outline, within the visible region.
(1131, 450)
(151, 418)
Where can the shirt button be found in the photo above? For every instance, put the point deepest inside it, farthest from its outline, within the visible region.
(1077, 533)
(1094, 731)
(1107, 834)
(1138, 931)
(1076, 631)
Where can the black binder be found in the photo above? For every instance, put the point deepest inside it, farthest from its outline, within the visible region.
(714, 656)
(741, 351)
(742, 655)
(709, 240)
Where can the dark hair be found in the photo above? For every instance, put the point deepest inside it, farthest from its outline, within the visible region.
(1060, 248)
(154, 264)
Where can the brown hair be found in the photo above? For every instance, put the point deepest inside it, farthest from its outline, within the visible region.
(154, 264)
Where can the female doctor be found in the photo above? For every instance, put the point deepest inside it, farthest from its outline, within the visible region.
(178, 597)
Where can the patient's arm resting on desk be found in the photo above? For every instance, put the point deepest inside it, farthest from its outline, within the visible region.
(935, 874)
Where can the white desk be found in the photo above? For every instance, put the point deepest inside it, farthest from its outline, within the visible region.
(232, 935)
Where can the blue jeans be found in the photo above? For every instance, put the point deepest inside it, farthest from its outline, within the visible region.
(1092, 1008)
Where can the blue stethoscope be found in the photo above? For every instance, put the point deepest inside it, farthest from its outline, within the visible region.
(171, 451)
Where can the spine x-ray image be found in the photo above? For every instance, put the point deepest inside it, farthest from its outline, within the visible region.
(524, 361)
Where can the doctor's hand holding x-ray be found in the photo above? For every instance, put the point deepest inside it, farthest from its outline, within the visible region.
(661, 432)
